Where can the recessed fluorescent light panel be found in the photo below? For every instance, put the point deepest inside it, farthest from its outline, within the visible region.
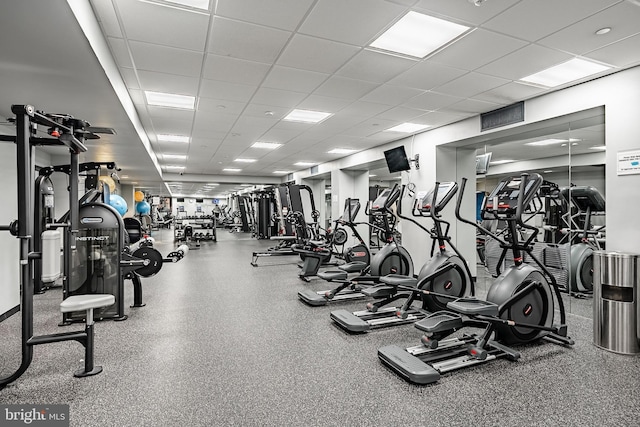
(306, 116)
(598, 147)
(174, 157)
(246, 160)
(231, 170)
(305, 164)
(416, 34)
(196, 4)
(173, 138)
(408, 128)
(281, 172)
(173, 167)
(266, 145)
(171, 100)
(341, 151)
(574, 69)
(501, 162)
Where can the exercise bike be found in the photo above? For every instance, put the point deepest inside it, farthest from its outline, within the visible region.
(519, 307)
(446, 272)
(392, 258)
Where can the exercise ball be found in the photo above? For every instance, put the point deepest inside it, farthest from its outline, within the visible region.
(119, 204)
(138, 196)
(108, 181)
(143, 208)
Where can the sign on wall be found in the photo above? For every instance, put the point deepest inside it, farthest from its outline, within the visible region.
(628, 162)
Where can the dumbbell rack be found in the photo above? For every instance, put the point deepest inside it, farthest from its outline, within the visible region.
(204, 227)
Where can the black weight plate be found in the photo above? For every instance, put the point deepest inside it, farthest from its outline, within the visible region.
(153, 266)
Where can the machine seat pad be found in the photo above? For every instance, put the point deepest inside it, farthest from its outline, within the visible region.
(380, 291)
(332, 275)
(353, 267)
(85, 302)
(440, 321)
(399, 280)
(471, 306)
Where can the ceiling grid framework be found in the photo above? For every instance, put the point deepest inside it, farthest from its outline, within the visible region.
(249, 63)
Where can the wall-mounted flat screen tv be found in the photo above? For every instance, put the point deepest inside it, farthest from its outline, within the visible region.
(397, 160)
(482, 163)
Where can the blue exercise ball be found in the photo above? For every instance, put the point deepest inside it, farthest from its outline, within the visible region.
(119, 204)
(143, 208)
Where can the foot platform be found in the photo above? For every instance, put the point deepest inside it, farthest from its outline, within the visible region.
(471, 306)
(407, 365)
(353, 267)
(440, 321)
(399, 280)
(333, 275)
(380, 291)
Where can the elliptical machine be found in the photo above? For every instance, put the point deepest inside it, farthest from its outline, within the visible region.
(519, 306)
(392, 258)
(446, 272)
(588, 201)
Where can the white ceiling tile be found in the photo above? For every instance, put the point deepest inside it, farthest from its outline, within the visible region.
(534, 19)
(129, 77)
(471, 84)
(343, 87)
(580, 38)
(472, 106)
(212, 122)
(164, 59)
(463, 11)
(242, 40)
(523, 62)
(370, 127)
(106, 14)
(401, 114)
(285, 14)
(173, 127)
(157, 24)
(171, 116)
(334, 20)
(365, 109)
(432, 101)
(225, 90)
(286, 78)
(120, 52)
(323, 103)
(391, 95)
(440, 118)
(477, 49)
(277, 134)
(315, 54)
(137, 96)
(427, 75)
(509, 93)
(234, 70)
(621, 54)
(260, 111)
(160, 82)
(375, 66)
(221, 106)
(277, 97)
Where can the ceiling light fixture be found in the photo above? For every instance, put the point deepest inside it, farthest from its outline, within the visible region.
(501, 162)
(245, 160)
(417, 35)
(174, 157)
(281, 172)
(170, 100)
(196, 4)
(574, 69)
(603, 31)
(307, 116)
(305, 163)
(341, 151)
(173, 167)
(545, 142)
(372, 175)
(266, 145)
(173, 138)
(231, 170)
(547, 171)
(598, 147)
(407, 128)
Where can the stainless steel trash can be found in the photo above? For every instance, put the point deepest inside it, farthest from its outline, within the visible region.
(615, 302)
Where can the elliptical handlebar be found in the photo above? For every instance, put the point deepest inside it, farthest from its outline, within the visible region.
(473, 223)
(524, 179)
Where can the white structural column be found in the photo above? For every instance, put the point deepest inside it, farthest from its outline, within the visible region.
(350, 184)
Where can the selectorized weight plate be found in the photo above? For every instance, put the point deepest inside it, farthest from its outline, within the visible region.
(154, 263)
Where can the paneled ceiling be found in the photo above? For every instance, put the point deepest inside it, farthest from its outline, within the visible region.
(249, 63)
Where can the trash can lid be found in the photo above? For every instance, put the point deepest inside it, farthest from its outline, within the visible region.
(614, 254)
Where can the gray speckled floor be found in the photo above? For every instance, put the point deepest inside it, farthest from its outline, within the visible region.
(223, 343)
